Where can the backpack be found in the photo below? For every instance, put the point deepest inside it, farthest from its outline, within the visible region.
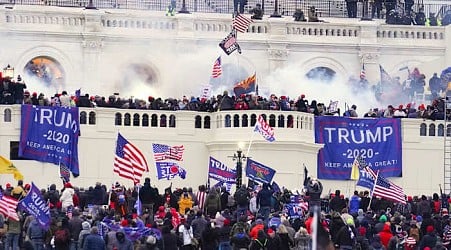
(241, 197)
(230, 201)
(262, 245)
(61, 236)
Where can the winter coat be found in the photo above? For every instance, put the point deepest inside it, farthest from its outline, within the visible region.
(385, 235)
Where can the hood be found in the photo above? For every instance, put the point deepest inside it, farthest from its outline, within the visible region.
(85, 225)
(386, 228)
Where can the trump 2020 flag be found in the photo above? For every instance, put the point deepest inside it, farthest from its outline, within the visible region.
(169, 170)
(50, 134)
(34, 204)
(229, 44)
(264, 129)
(259, 172)
(220, 172)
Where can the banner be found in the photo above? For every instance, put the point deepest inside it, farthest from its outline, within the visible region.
(229, 44)
(169, 170)
(220, 172)
(378, 141)
(50, 134)
(259, 172)
(35, 205)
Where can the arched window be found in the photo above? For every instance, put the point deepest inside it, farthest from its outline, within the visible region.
(448, 130)
(272, 121)
(163, 121)
(253, 119)
(154, 121)
(281, 121)
(290, 122)
(441, 130)
(118, 119)
(127, 119)
(197, 121)
(244, 121)
(172, 121)
(423, 129)
(136, 120)
(207, 122)
(92, 118)
(236, 121)
(7, 117)
(145, 120)
(227, 121)
(431, 129)
(83, 119)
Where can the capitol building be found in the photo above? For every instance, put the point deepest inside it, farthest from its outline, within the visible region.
(135, 49)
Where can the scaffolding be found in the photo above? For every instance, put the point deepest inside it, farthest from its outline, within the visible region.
(447, 147)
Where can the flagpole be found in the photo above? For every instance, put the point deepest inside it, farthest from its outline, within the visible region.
(372, 191)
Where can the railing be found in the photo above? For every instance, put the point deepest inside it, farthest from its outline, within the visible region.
(296, 121)
(325, 8)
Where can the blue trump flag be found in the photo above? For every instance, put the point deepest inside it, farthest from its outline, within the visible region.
(169, 170)
(35, 205)
(378, 141)
(259, 172)
(50, 134)
(220, 172)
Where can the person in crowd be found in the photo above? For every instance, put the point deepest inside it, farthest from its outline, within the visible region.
(94, 241)
(75, 227)
(213, 203)
(264, 201)
(85, 231)
(67, 197)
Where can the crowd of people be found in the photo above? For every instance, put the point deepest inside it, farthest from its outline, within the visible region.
(254, 217)
(16, 92)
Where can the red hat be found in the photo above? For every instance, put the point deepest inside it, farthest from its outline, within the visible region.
(124, 223)
(409, 198)
(27, 186)
(400, 106)
(270, 231)
(8, 185)
(226, 222)
(283, 97)
(302, 96)
(430, 229)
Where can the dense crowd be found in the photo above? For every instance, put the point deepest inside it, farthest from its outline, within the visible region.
(16, 92)
(258, 217)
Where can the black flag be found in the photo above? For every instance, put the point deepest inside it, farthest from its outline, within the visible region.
(229, 44)
(305, 176)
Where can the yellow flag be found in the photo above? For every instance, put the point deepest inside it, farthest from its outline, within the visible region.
(355, 170)
(7, 167)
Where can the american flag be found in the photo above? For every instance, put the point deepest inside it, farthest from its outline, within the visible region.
(264, 129)
(241, 23)
(8, 207)
(162, 152)
(64, 173)
(129, 162)
(217, 68)
(386, 189)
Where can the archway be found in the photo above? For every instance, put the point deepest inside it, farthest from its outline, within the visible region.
(322, 74)
(47, 71)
